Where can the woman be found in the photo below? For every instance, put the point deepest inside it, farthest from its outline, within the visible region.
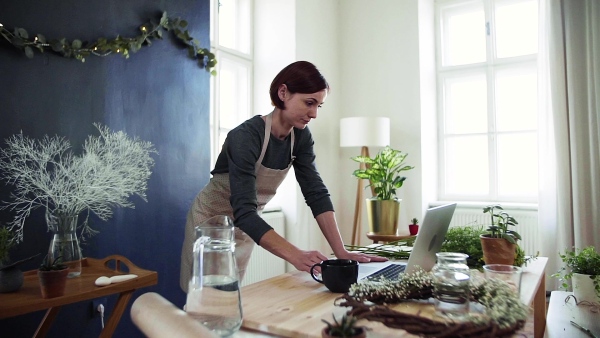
(254, 160)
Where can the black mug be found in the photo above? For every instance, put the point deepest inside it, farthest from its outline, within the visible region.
(337, 274)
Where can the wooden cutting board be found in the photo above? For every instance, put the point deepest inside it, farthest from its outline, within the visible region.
(293, 304)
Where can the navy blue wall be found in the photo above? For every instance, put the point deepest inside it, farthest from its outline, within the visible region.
(158, 95)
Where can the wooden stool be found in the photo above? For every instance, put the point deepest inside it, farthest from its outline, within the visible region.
(385, 238)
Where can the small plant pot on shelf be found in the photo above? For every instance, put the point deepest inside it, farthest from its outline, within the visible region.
(497, 250)
(414, 229)
(52, 283)
(11, 279)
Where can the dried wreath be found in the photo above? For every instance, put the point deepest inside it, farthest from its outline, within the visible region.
(504, 312)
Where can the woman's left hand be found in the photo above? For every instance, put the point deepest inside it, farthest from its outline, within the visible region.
(361, 257)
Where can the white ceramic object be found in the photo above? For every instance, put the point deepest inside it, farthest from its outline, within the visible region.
(122, 278)
(104, 281)
(583, 288)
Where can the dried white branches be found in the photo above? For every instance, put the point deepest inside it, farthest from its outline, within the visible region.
(45, 173)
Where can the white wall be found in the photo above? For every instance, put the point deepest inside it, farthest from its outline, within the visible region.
(380, 77)
(317, 41)
(275, 48)
(369, 51)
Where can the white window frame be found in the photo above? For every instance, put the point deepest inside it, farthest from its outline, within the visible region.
(239, 57)
(487, 68)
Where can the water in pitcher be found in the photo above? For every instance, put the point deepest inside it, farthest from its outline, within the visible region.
(216, 305)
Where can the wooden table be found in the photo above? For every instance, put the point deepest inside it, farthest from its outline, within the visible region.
(293, 304)
(561, 313)
(29, 299)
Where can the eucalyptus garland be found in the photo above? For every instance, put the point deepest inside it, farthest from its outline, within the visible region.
(77, 49)
(504, 312)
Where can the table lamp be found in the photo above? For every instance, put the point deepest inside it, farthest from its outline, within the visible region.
(363, 132)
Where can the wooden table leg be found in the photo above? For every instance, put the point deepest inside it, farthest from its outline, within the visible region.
(46, 322)
(116, 314)
(539, 309)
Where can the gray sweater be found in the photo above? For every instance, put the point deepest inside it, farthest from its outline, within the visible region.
(238, 157)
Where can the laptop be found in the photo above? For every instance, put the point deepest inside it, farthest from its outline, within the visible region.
(429, 241)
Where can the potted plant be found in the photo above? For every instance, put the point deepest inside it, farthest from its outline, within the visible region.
(53, 277)
(46, 174)
(11, 278)
(384, 173)
(345, 327)
(499, 243)
(413, 227)
(582, 268)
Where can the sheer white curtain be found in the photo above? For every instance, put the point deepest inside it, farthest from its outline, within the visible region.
(569, 203)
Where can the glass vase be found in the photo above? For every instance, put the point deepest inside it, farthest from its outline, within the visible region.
(64, 243)
(451, 281)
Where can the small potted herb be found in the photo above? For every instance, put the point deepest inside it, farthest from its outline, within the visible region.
(53, 277)
(413, 227)
(345, 327)
(582, 268)
(499, 243)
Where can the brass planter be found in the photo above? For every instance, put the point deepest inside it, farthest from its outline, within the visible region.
(383, 216)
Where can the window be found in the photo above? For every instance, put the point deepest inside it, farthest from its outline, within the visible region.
(487, 99)
(231, 88)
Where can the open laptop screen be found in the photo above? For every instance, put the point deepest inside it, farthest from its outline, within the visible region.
(429, 242)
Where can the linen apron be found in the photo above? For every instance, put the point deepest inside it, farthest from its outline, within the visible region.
(213, 200)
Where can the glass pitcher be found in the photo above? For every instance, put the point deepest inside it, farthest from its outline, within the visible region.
(214, 294)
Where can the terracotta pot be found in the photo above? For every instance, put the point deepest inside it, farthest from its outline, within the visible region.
(497, 250)
(52, 283)
(361, 334)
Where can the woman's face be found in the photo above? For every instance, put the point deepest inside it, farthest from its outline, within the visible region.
(301, 108)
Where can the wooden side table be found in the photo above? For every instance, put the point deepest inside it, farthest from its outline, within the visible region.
(562, 311)
(385, 238)
(29, 299)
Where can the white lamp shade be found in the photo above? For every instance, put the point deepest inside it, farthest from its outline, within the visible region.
(364, 131)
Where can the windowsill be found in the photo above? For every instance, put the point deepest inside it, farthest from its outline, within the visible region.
(481, 205)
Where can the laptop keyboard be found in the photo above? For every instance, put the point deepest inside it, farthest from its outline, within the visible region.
(391, 272)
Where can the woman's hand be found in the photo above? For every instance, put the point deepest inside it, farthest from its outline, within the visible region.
(306, 259)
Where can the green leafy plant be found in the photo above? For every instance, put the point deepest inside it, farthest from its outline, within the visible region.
(500, 221)
(584, 261)
(465, 239)
(414, 221)
(345, 327)
(49, 264)
(7, 242)
(79, 50)
(383, 172)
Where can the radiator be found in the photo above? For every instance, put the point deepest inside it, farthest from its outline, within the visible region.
(527, 227)
(264, 264)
